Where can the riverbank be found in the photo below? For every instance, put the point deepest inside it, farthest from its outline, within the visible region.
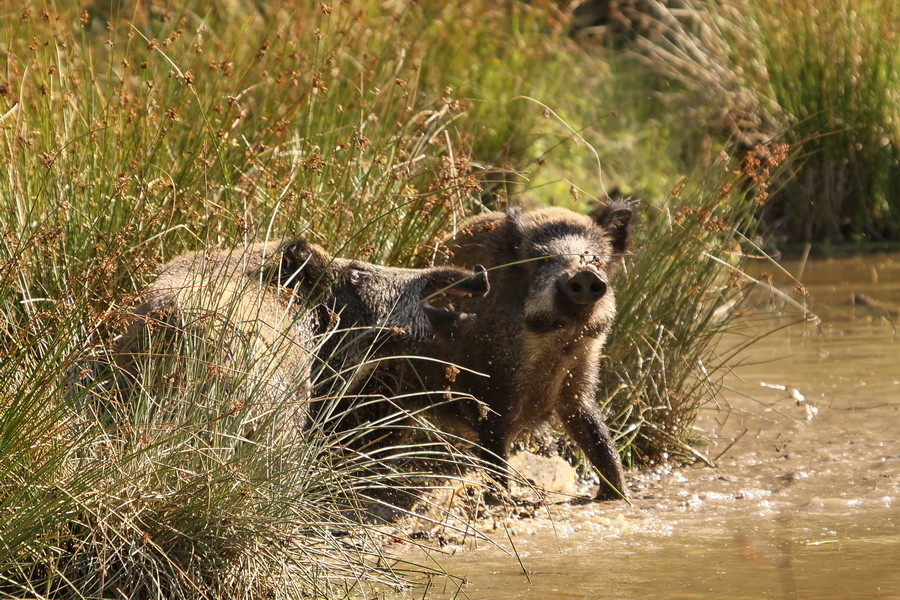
(134, 132)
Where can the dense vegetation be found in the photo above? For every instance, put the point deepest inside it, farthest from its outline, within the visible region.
(132, 132)
(823, 78)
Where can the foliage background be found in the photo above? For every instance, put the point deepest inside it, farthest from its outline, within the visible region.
(134, 131)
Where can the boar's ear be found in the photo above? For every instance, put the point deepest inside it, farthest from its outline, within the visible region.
(302, 261)
(615, 218)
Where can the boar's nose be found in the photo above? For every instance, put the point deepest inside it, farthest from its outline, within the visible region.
(584, 287)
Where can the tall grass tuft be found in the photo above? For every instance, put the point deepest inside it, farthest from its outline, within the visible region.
(680, 292)
(190, 483)
(822, 77)
(834, 70)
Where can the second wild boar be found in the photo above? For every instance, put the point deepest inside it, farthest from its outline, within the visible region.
(306, 319)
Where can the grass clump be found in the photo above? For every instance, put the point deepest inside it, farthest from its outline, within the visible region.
(821, 77)
(834, 71)
(682, 290)
(132, 133)
(188, 486)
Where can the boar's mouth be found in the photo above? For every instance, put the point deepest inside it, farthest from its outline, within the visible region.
(446, 286)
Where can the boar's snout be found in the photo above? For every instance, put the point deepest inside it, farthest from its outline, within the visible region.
(452, 281)
(446, 323)
(584, 287)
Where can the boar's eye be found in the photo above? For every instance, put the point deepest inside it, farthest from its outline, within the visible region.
(358, 275)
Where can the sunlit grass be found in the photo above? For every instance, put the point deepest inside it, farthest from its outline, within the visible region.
(822, 77)
(131, 133)
(835, 73)
(681, 291)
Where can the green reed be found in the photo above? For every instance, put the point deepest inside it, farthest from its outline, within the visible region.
(133, 132)
(683, 288)
(822, 77)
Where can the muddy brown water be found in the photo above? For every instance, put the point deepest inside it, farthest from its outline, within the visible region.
(804, 502)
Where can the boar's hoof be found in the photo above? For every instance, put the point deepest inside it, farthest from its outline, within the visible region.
(607, 493)
(584, 287)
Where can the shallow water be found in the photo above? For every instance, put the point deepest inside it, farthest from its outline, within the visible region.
(804, 501)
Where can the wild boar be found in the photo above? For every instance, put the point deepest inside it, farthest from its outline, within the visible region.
(540, 332)
(305, 319)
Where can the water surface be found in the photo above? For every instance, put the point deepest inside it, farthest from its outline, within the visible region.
(804, 501)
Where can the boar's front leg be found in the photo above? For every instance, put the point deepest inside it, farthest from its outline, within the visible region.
(584, 422)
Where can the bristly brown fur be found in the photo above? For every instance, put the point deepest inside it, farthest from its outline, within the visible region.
(319, 316)
(540, 331)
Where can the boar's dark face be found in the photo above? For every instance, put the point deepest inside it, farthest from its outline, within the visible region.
(371, 303)
(406, 303)
(568, 260)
